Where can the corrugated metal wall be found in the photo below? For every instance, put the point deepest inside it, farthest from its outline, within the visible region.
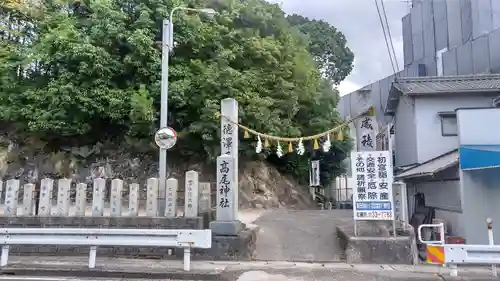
(469, 29)
(494, 43)
(464, 59)
(440, 24)
(407, 39)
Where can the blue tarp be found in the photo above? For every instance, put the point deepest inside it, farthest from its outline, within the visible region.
(474, 157)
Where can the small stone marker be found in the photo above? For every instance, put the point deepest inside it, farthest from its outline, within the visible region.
(205, 202)
(133, 201)
(116, 197)
(29, 188)
(98, 197)
(171, 198)
(152, 197)
(81, 200)
(225, 190)
(11, 195)
(45, 204)
(63, 194)
(191, 194)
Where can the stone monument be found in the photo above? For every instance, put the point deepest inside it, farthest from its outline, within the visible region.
(227, 222)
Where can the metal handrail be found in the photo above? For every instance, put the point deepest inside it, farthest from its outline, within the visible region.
(441, 231)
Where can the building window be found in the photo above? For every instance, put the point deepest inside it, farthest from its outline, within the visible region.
(448, 124)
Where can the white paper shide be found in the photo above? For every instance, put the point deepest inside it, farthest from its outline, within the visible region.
(372, 195)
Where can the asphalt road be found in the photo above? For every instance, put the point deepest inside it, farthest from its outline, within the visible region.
(271, 275)
(41, 278)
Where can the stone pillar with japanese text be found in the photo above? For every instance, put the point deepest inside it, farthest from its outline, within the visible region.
(191, 194)
(229, 140)
(227, 222)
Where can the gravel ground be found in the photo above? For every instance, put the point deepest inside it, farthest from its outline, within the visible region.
(298, 235)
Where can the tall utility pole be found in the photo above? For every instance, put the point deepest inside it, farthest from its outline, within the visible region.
(163, 165)
(167, 45)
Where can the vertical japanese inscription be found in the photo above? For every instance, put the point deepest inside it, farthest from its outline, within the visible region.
(133, 201)
(11, 196)
(45, 206)
(171, 198)
(29, 189)
(63, 194)
(191, 190)
(373, 192)
(98, 197)
(224, 184)
(225, 190)
(152, 197)
(81, 199)
(229, 144)
(366, 133)
(116, 197)
(227, 138)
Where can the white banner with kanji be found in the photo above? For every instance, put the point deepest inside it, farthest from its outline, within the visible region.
(372, 193)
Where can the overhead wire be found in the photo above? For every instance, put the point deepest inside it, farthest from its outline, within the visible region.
(390, 36)
(385, 36)
(388, 42)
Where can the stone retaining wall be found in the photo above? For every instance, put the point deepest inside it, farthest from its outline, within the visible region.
(375, 248)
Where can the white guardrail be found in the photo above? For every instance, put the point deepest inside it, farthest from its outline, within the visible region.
(453, 254)
(94, 237)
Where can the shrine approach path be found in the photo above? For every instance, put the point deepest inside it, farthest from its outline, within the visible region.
(300, 235)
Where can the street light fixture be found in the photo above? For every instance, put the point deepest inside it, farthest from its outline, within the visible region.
(208, 11)
(167, 47)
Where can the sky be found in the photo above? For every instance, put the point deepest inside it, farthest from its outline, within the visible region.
(360, 23)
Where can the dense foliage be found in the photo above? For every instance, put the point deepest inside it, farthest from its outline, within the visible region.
(327, 46)
(82, 72)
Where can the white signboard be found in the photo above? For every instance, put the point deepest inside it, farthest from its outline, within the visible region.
(366, 133)
(314, 179)
(165, 138)
(372, 194)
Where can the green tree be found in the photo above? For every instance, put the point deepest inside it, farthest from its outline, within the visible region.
(327, 45)
(82, 72)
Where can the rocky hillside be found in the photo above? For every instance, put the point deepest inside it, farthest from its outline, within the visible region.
(261, 185)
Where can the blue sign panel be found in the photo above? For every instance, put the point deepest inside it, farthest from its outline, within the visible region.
(474, 157)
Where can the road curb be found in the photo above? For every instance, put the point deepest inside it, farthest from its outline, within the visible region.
(161, 274)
